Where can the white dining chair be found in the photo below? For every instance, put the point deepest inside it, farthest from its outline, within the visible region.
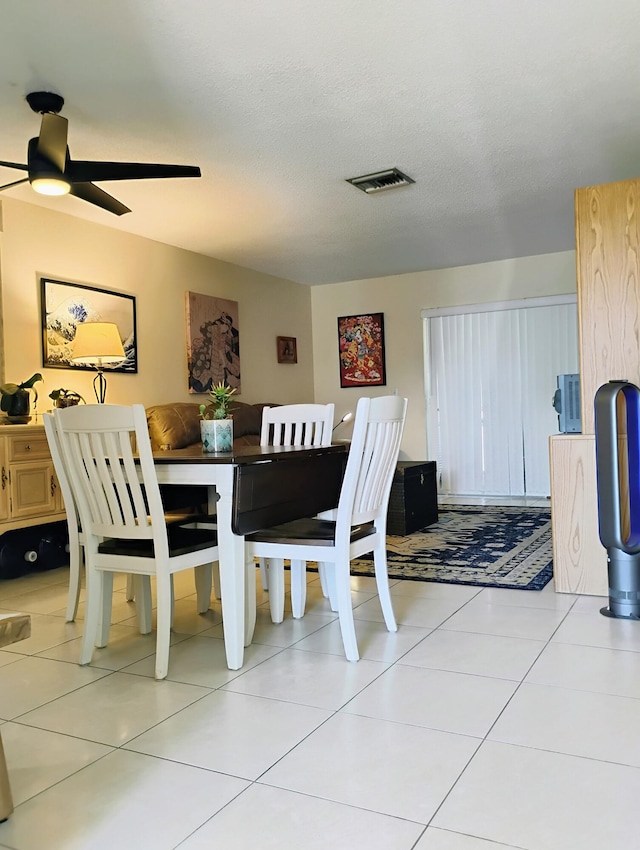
(360, 524)
(122, 519)
(292, 425)
(76, 541)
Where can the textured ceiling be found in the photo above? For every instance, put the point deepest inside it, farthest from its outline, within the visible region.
(497, 108)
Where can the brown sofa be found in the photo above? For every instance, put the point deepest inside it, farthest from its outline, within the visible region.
(176, 425)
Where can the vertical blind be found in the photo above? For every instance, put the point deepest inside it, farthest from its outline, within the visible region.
(491, 379)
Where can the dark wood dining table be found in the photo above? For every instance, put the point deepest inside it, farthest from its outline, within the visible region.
(250, 488)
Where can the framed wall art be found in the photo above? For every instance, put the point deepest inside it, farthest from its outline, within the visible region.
(287, 349)
(213, 342)
(65, 305)
(361, 350)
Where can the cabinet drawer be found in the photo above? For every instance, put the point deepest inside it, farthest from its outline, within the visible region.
(28, 447)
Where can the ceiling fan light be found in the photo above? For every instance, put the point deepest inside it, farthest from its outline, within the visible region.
(50, 186)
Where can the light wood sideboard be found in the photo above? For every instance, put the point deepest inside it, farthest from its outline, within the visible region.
(29, 490)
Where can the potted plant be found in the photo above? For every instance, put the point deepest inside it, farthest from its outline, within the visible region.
(216, 422)
(65, 398)
(15, 398)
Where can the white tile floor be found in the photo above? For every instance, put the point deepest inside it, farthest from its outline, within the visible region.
(492, 720)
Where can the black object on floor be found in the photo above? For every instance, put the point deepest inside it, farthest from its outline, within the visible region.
(33, 549)
(413, 502)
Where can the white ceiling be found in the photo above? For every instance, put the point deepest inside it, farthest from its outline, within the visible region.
(497, 108)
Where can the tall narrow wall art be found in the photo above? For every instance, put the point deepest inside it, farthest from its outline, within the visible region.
(361, 350)
(213, 342)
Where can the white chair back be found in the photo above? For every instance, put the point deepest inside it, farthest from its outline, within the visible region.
(55, 449)
(117, 497)
(297, 425)
(373, 453)
(76, 539)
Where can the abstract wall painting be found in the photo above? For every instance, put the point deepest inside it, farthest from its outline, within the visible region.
(213, 342)
(361, 350)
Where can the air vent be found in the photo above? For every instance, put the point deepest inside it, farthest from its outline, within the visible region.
(381, 180)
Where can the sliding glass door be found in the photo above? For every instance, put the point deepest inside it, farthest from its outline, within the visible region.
(491, 375)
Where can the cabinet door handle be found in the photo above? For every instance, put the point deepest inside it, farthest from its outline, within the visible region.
(53, 486)
(4, 479)
(27, 448)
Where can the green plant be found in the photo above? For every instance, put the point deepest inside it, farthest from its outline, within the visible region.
(8, 390)
(65, 398)
(218, 407)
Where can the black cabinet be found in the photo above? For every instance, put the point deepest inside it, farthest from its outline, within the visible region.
(413, 503)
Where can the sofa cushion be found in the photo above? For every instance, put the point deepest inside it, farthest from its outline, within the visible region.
(247, 419)
(173, 426)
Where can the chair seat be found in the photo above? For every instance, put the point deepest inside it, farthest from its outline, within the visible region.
(317, 532)
(181, 541)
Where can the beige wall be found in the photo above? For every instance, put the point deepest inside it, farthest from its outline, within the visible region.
(401, 298)
(37, 241)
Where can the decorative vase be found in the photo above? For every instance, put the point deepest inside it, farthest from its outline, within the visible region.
(19, 406)
(217, 435)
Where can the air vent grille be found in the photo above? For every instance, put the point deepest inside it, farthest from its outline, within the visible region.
(392, 178)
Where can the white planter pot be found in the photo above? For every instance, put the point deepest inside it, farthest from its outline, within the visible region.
(217, 435)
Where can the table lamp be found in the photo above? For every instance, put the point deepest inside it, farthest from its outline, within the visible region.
(95, 344)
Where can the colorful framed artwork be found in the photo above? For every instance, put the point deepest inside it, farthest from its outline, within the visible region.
(287, 349)
(361, 350)
(213, 342)
(65, 305)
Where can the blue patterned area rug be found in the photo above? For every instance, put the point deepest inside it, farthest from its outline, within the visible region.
(485, 546)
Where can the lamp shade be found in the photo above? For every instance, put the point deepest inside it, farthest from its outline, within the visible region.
(97, 343)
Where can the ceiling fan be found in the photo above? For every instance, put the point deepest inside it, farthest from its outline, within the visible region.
(52, 171)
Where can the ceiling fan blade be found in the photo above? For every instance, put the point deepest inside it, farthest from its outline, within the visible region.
(15, 183)
(52, 142)
(91, 193)
(81, 171)
(15, 165)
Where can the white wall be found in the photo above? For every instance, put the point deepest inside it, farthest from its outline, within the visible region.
(37, 241)
(401, 298)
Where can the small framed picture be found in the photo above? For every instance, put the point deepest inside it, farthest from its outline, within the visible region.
(287, 349)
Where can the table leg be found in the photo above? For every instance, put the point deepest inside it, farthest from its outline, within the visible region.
(6, 800)
(232, 573)
(212, 509)
(250, 600)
